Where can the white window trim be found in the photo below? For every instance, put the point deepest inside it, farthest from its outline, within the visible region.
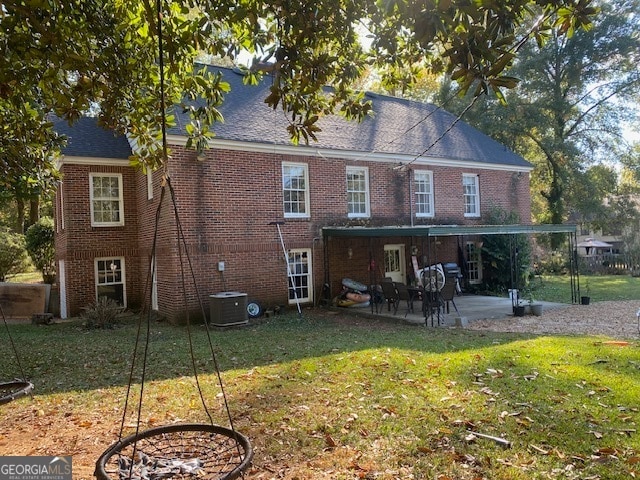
(124, 277)
(365, 171)
(60, 219)
(429, 174)
(149, 184)
(476, 179)
(309, 274)
(120, 199)
(307, 206)
(154, 284)
(478, 262)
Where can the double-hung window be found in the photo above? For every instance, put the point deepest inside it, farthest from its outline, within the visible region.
(110, 279)
(107, 205)
(471, 194)
(423, 180)
(300, 275)
(358, 192)
(295, 190)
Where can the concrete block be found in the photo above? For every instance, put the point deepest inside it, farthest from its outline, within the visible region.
(461, 321)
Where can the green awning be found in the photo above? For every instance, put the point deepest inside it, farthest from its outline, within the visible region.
(443, 230)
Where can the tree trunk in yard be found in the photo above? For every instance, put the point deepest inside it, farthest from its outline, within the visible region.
(19, 227)
(34, 210)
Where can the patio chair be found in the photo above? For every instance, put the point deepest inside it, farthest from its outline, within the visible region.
(431, 306)
(448, 292)
(390, 295)
(404, 295)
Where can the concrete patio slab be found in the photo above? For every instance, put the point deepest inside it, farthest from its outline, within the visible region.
(470, 308)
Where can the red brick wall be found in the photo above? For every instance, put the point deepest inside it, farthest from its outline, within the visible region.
(80, 243)
(226, 204)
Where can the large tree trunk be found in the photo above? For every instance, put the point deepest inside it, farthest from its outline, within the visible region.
(19, 227)
(34, 210)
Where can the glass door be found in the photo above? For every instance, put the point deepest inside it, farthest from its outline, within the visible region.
(394, 263)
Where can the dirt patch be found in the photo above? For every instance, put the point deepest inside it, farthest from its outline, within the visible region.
(616, 319)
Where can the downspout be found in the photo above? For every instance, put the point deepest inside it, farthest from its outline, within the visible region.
(409, 170)
(313, 257)
(327, 276)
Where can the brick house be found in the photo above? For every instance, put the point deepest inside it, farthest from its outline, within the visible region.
(362, 202)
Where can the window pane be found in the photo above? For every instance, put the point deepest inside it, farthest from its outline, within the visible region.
(110, 279)
(357, 192)
(294, 189)
(300, 275)
(106, 201)
(470, 193)
(424, 193)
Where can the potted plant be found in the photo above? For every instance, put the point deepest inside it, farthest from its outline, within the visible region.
(586, 299)
(520, 307)
(536, 308)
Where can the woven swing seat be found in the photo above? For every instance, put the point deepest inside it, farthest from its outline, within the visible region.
(181, 451)
(9, 391)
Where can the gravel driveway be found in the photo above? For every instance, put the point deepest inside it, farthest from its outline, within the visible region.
(615, 319)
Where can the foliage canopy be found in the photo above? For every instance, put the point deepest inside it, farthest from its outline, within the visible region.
(568, 113)
(13, 255)
(68, 56)
(40, 245)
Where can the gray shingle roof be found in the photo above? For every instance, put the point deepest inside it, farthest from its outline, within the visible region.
(399, 126)
(85, 138)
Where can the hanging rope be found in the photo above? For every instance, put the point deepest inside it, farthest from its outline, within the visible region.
(13, 345)
(19, 387)
(174, 436)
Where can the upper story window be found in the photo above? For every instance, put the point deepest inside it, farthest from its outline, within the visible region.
(295, 190)
(358, 192)
(423, 180)
(471, 193)
(107, 205)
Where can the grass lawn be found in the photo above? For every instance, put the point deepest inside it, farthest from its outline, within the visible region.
(598, 287)
(32, 276)
(330, 396)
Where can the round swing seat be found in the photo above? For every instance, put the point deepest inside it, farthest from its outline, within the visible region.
(180, 451)
(15, 389)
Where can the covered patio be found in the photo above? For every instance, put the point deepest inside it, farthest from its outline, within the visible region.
(431, 244)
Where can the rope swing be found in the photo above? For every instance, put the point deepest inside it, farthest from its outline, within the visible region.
(182, 450)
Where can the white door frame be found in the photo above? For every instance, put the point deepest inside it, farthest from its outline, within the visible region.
(397, 250)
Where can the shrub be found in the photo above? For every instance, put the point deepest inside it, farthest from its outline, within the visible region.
(13, 255)
(102, 314)
(41, 247)
(498, 263)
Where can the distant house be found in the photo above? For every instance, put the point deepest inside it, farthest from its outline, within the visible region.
(368, 200)
(614, 250)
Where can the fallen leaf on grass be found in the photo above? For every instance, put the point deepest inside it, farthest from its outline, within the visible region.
(598, 435)
(329, 441)
(618, 343)
(606, 451)
(539, 449)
